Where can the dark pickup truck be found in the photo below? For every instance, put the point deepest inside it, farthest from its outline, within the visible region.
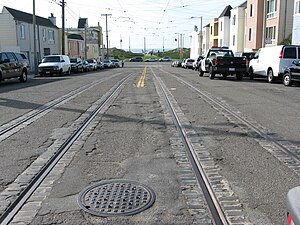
(222, 61)
(13, 65)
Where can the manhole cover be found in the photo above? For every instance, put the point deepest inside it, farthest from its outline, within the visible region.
(116, 198)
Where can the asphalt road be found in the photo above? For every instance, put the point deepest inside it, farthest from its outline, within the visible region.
(132, 139)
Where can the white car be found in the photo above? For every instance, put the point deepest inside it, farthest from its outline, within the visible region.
(270, 62)
(55, 64)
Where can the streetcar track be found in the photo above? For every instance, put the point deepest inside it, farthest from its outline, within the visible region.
(15, 125)
(25, 193)
(280, 148)
(216, 210)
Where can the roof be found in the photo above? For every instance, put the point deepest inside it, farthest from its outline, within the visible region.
(226, 11)
(243, 5)
(27, 17)
(75, 36)
(82, 22)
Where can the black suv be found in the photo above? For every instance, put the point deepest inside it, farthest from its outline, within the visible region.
(13, 65)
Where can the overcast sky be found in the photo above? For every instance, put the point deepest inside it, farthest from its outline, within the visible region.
(159, 21)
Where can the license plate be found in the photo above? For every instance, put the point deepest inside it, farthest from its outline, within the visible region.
(231, 69)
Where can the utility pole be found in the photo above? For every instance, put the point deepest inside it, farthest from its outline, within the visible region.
(63, 27)
(129, 44)
(34, 40)
(201, 37)
(106, 15)
(144, 45)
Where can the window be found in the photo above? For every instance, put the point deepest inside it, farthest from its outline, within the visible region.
(233, 40)
(233, 19)
(22, 31)
(289, 53)
(221, 27)
(251, 10)
(211, 30)
(250, 34)
(44, 34)
(271, 8)
(221, 42)
(51, 36)
(297, 6)
(270, 35)
(11, 57)
(3, 57)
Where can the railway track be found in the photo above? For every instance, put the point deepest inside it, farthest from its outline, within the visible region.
(25, 193)
(285, 151)
(8, 129)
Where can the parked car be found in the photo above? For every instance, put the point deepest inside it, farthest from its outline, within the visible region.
(93, 62)
(87, 67)
(151, 60)
(292, 73)
(182, 64)
(115, 62)
(293, 206)
(136, 59)
(107, 63)
(76, 65)
(13, 65)
(188, 64)
(100, 65)
(55, 64)
(165, 59)
(222, 61)
(270, 62)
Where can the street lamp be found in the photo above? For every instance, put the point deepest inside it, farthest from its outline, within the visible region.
(201, 35)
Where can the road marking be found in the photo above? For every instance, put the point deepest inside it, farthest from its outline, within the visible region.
(141, 82)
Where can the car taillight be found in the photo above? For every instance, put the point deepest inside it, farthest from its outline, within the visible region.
(216, 61)
(280, 55)
(289, 219)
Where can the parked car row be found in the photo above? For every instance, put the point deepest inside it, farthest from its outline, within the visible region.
(62, 64)
(280, 62)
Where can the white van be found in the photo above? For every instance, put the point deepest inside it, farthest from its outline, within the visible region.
(270, 62)
(55, 64)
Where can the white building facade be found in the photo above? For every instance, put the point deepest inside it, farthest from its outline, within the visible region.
(224, 27)
(296, 24)
(195, 45)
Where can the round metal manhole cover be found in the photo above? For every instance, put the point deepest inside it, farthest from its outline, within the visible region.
(116, 198)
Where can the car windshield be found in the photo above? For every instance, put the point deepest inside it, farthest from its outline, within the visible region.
(73, 60)
(51, 59)
(222, 53)
(90, 60)
(106, 61)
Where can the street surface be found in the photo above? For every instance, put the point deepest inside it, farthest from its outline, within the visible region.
(133, 138)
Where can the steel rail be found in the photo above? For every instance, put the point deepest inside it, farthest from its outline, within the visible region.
(212, 201)
(244, 121)
(13, 209)
(30, 115)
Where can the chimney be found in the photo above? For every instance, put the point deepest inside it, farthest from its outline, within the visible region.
(52, 18)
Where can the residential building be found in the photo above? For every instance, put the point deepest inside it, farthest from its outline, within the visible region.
(237, 28)
(75, 46)
(213, 32)
(205, 38)
(296, 24)
(195, 43)
(269, 22)
(93, 38)
(224, 27)
(16, 30)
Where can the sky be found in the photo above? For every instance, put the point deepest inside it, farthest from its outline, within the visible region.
(135, 23)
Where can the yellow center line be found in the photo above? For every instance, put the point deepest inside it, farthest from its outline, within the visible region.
(141, 82)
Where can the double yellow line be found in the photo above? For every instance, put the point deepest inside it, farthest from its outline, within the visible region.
(141, 82)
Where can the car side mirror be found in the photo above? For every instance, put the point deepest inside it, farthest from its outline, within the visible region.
(296, 62)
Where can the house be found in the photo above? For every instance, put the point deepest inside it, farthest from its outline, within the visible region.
(75, 46)
(224, 27)
(296, 24)
(205, 38)
(16, 30)
(213, 32)
(92, 36)
(237, 28)
(195, 43)
(269, 23)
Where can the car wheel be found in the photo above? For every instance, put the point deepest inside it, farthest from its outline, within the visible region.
(211, 73)
(251, 74)
(23, 77)
(239, 76)
(287, 79)
(60, 72)
(69, 72)
(270, 76)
